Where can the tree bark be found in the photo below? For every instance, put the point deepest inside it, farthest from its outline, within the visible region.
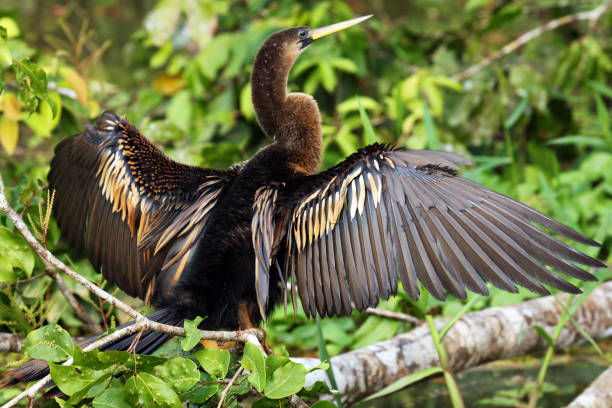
(597, 395)
(475, 339)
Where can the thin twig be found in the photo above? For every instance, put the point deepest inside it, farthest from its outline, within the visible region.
(395, 316)
(5, 285)
(591, 15)
(90, 325)
(226, 390)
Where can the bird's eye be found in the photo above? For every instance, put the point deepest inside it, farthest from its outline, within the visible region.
(303, 34)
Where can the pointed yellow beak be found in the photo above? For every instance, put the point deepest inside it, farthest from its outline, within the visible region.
(330, 29)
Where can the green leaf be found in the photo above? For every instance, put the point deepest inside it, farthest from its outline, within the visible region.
(286, 380)
(323, 404)
(192, 333)
(207, 389)
(50, 342)
(433, 141)
(541, 332)
(344, 64)
(16, 250)
(518, 112)
(111, 398)
(180, 373)
(370, 137)
(70, 381)
(475, 4)
(103, 359)
(404, 382)
(253, 360)
(600, 88)
(214, 361)
(146, 390)
(578, 140)
(5, 54)
(604, 117)
(179, 111)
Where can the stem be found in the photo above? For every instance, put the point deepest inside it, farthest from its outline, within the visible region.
(449, 378)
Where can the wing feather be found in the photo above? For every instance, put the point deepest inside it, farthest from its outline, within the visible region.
(117, 195)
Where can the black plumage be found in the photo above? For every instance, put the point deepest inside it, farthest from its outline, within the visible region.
(222, 243)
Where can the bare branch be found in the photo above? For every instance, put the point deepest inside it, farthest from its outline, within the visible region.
(591, 16)
(10, 342)
(596, 395)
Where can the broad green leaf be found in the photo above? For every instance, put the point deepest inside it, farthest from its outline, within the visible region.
(207, 389)
(146, 390)
(246, 102)
(180, 373)
(9, 133)
(16, 250)
(286, 380)
(179, 110)
(192, 333)
(99, 360)
(170, 349)
(328, 76)
(50, 342)
(404, 382)
(214, 361)
(253, 360)
(111, 398)
(44, 121)
(272, 363)
(71, 381)
(344, 64)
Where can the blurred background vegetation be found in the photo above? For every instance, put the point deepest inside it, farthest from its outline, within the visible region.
(536, 122)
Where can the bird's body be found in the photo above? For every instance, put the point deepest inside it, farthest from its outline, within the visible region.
(223, 244)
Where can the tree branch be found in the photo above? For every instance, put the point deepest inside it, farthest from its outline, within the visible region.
(475, 339)
(596, 395)
(591, 15)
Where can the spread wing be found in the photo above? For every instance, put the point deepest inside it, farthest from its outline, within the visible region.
(349, 232)
(136, 212)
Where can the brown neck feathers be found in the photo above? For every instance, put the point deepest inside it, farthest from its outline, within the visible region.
(292, 120)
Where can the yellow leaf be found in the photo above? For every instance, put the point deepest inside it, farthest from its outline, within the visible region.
(94, 108)
(9, 132)
(76, 82)
(11, 106)
(168, 84)
(11, 27)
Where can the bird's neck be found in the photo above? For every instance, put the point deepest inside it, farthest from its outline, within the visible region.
(292, 120)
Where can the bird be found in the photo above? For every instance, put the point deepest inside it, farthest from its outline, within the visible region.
(230, 244)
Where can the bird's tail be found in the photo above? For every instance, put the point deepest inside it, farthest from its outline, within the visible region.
(148, 342)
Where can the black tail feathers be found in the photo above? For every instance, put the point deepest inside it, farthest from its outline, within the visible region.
(147, 344)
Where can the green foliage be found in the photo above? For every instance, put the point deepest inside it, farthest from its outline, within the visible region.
(535, 123)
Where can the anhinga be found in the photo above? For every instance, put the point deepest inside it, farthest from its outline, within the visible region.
(223, 243)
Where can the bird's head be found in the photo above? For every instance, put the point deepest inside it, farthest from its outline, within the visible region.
(290, 43)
